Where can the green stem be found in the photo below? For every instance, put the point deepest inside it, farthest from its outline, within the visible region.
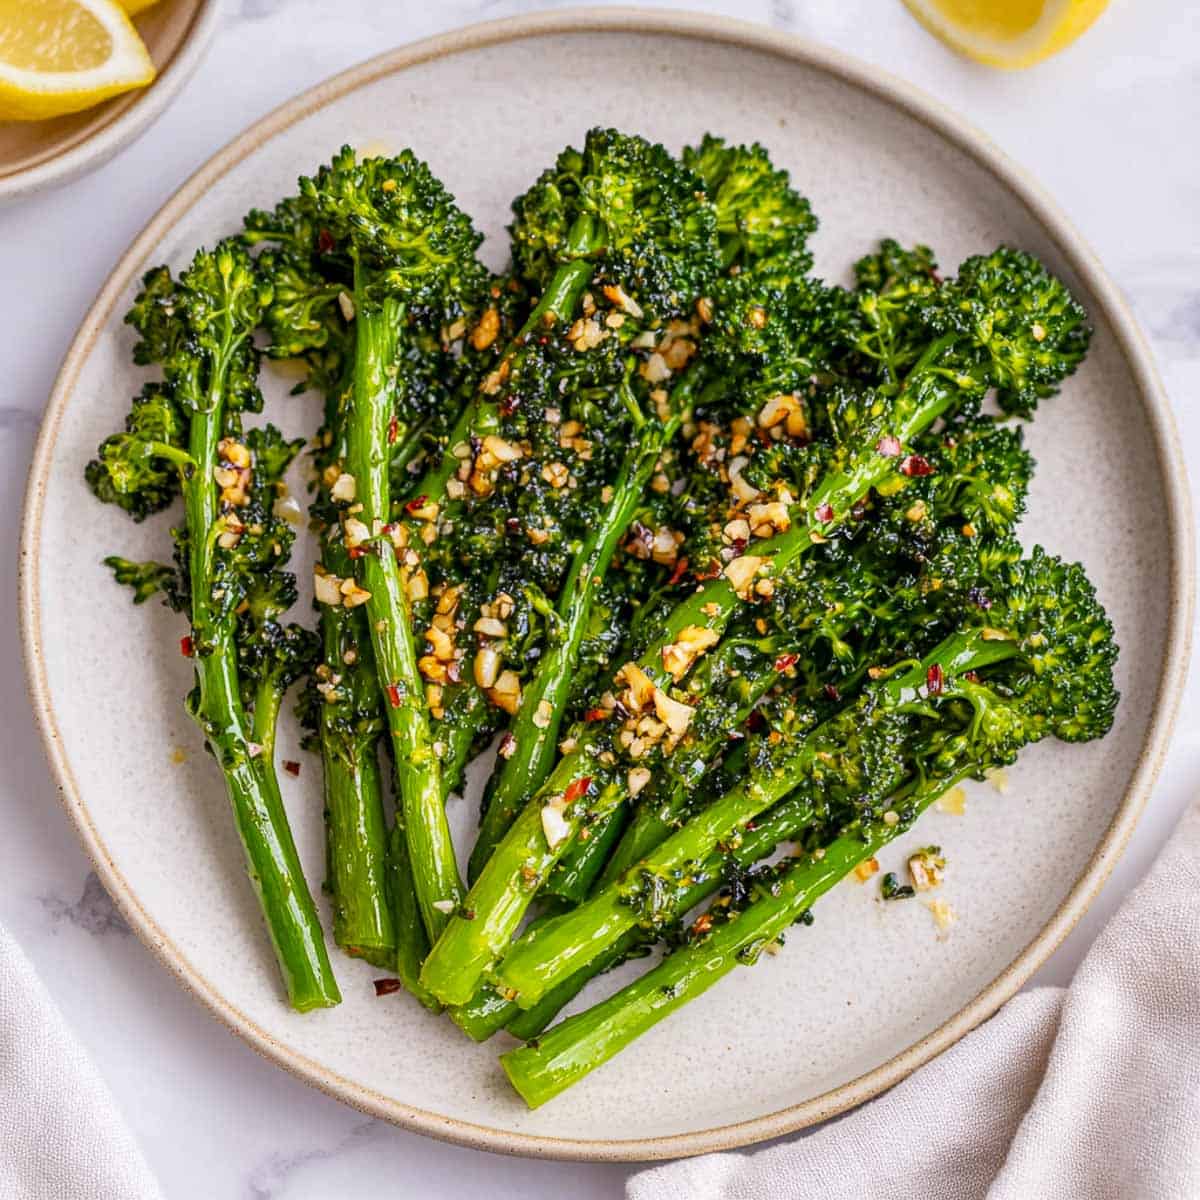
(357, 850)
(268, 700)
(487, 1011)
(417, 768)
(542, 1069)
(537, 722)
(497, 902)
(527, 1024)
(412, 942)
(786, 820)
(544, 957)
(576, 871)
(271, 858)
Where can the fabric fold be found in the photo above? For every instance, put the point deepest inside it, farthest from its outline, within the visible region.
(61, 1134)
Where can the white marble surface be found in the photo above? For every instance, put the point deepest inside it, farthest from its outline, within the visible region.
(1109, 129)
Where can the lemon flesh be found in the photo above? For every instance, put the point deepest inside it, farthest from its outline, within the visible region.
(1007, 33)
(60, 56)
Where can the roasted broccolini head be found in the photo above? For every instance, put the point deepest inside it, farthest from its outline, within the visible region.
(402, 230)
(761, 218)
(630, 208)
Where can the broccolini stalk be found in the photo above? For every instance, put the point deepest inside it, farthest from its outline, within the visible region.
(1004, 323)
(412, 942)
(763, 226)
(786, 820)
(1056, 682)
(858, 752)
(189, 439)
(356, 831)
(577, 870)
(908, 563)
(554, 1060)
(533, 735)
(413, 259)
(341, 707)
(490, 1010)
(624, 216)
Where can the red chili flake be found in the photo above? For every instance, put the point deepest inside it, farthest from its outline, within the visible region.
(888, 446)
(971, 677)
(710, 572)
(508, 744)
(291, 766)
(394, 695)
(824, 513)
(385, 987)
(915, 464)
(393, 430)
(417, 503)
(186, 648)
(785, 660)
(934, 679)
(597, 714)
(750, 826)
(577, 788)
(325, 241)
(739, 544)
(677, 574)
(832, 692)
(756, 722)
(512, 525)
(356, 551)
(509, 405)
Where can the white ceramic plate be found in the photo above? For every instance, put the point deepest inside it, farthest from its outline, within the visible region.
(870, 991)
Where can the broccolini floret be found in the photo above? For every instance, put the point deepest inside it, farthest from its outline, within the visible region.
(230, 555)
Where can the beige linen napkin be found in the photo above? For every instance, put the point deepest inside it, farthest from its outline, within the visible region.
(61, 1136)
(1086, 1093)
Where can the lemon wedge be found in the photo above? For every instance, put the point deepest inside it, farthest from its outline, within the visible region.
(60, 56)
(135, 6)
(1007, 33)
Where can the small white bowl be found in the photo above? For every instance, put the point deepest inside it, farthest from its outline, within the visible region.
(40, 154)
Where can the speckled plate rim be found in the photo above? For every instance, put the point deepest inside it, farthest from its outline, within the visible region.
(1180, 579)
(114, 135)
